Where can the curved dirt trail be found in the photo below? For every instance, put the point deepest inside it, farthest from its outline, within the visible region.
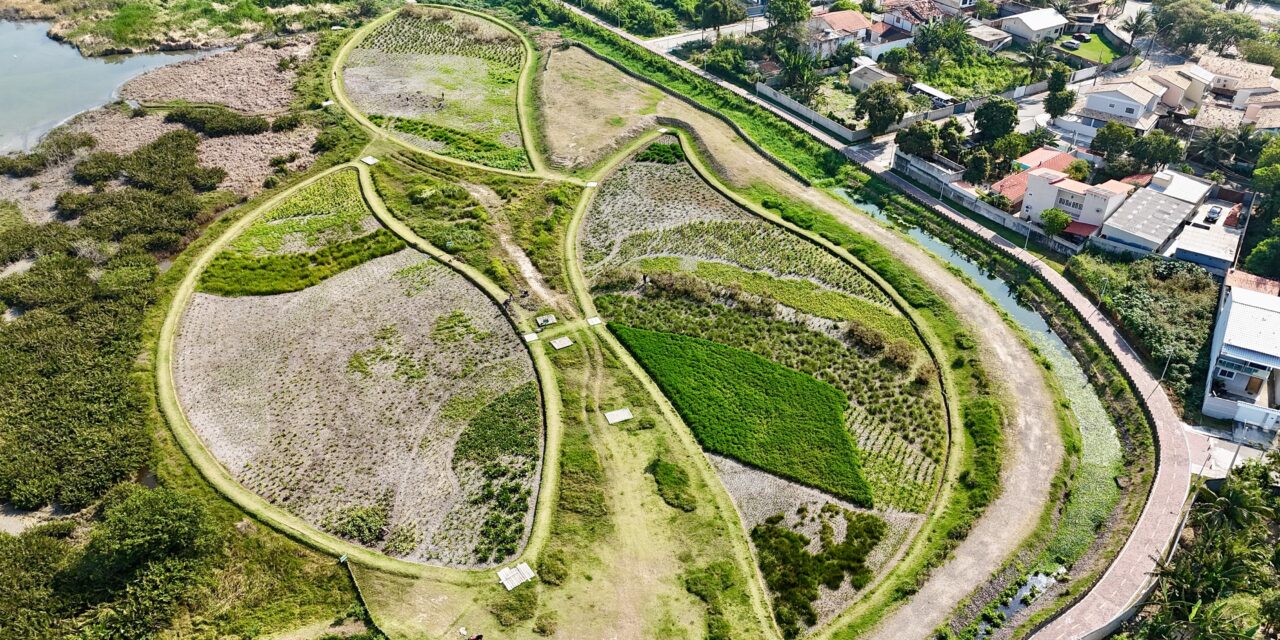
(1033, 443)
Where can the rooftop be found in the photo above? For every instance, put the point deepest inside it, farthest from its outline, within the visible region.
(871, 74)
(914, 11)
(1045, 157)
(848, 20)
(1236, 278)
(983, 33)
(1150, 215)
(1213, 240)
(1143, 123)
(1253, 326)
(1181, 186)
(1212, 116)
(1233, 68)
(1137, 90)
(1040, 19)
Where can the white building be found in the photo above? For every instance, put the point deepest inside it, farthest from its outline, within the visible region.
(1243, 384)
(864, 75)
(989, 38)
(1035, 25)
(1241, 83)
(1131, 103)
(1148, 221)
(1088, 205)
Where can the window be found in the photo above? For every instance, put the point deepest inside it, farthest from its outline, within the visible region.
(1226, 374)
(1128, 109)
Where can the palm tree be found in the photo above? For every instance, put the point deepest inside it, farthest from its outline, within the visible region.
(1139, 25)
(1062, 6)
(1247, 142)
(1038, 57)
(1213, 147)
(1234, 506)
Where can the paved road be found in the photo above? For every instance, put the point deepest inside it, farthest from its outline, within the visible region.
(667, 43)
(1129, 577)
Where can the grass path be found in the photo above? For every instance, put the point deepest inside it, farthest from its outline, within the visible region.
(523, 91)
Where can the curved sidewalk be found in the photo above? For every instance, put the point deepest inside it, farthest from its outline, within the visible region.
(1130, 575)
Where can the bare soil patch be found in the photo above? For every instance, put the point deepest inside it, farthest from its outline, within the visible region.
(352, 394)
(247, 159)
(251, 78)
(589, 109)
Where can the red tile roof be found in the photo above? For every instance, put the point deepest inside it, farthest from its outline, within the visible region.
(1013, 187)
(847, 20)
(1081, 229)
(1236, 278)
(915, 11)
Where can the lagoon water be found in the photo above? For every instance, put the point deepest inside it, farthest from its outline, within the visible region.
(43, 82)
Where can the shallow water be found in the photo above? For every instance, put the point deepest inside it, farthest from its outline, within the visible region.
(43, 83)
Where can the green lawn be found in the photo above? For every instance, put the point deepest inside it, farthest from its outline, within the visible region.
(754, 410)
(1097, 49)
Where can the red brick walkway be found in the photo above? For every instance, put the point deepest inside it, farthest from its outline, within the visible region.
(1129, 577)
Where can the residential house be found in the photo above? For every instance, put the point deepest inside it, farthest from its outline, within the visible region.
(884, 37)
(909, 14)
(955, 7)
(1088, 205)
(1132, 103)
(1034, 25)
(1241, 83)
(1244, 384)
(830, 31)
(865, 75)
(989, 38)
(1264, 117)
(1014, 187)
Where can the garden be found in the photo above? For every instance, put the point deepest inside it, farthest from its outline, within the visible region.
(391, 404)
(1098, 49)
(446, 82)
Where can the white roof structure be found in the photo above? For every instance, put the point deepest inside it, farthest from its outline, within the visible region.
(1040, 19)
(594, 321)
(545, 321)
(369, 160)
(618, 415)
(561, 342)
(1150, 215)
(512, 577)
(1180, 185)
(1253, 327)
(530, 337)
(326, 103)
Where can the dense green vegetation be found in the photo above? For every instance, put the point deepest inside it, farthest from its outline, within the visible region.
(216, 120)
(460, 144)
(502, 441)
(147, 553)
(709, 584)
(54, 148)
(1165, 307)
(662, 153)
(793, 573)
(315, 234)
(753, 410)
(673, 484)
(1222, 582)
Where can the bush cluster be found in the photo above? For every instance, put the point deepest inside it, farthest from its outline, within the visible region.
(673, 484)
(216, 121)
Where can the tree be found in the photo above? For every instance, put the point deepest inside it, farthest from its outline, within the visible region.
(1054, 221)
(870, 6)
(1112, 141)
(1059, 76)
(1063, 7)
(903, 61)
(920, 139)
(1041, 137)
(883, 104)
(1058, 103)
(995, 118)
(1264, 260)
(1213, 147)
(1157, 149)
(952, 138)
(798, 69)
(1139, 25)
(978, 167)
(1010, 146)
(1079, 169)
(986, 9)
(713, 14)
(1261, 52)
(785, 16)
(1037, 58)
(1226, 28)
(1247, 142)
(948, 35)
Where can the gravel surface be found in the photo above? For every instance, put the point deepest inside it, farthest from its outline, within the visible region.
(247, 79)
(268, 384)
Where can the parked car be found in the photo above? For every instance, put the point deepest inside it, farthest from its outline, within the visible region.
(1082, 37)
(1213, 215)
(1071, 45)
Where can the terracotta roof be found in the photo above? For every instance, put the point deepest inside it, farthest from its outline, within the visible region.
(1237, 278)
(1013, 187)
(1140, 179)
(915, 11)
(1114, 186)
(881, 27)
(1080, 228)
(1249, 73)
(1046, 157)
(848, 20)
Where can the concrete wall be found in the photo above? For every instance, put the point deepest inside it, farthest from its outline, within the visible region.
(830, 126)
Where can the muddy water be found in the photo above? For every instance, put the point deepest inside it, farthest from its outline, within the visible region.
(43, 82)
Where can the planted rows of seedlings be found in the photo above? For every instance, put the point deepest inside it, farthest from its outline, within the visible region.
(710, 271)
(391, 405)
(445, 82)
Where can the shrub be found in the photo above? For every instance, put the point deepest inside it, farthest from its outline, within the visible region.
(673, 484)
(515, 606)
(554, 568)
(864, 336)
(217, 121)
(364, 524)
(286, 122)
(662, 153)
(899, 354)
(97, 168)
